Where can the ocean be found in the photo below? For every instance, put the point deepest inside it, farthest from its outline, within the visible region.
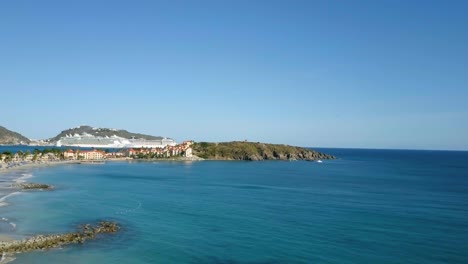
(368, 206)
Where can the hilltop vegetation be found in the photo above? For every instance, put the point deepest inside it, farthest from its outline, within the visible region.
(8, 137)
(103, 132)
(237, 150)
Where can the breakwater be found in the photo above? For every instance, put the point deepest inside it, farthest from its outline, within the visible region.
(41, 242)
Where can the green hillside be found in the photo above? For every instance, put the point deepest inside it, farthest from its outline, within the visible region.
(237, 150)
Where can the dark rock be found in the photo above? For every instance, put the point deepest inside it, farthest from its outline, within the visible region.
(254, 157)
(33, 186)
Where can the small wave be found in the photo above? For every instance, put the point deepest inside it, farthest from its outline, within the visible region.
(254, 187)
(24, 177)
(6, 258)
(8, 195)
(131, 210)
(4, 222)
(2, 200)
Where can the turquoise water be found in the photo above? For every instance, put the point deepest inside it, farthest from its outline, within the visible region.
(369, 206)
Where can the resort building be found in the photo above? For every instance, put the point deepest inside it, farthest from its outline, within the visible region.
(91, 154)
(113, 155)
(188, 153)
(69, 154)
(167, 151)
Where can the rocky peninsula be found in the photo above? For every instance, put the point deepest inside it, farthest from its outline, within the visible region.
(241, 150)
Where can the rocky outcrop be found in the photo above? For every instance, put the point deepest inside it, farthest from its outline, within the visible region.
(32, 186)
(41, 242)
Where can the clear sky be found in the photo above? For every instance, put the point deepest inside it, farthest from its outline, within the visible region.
(367, 74)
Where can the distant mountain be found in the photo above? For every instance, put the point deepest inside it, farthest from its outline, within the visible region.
(103, 132)
(8, 137)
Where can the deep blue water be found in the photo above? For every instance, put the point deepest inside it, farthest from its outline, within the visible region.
(369, 206)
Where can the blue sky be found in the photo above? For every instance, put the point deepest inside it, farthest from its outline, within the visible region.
(367, 74)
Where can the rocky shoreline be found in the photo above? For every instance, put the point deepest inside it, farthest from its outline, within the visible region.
(306, 155)
(41, 242)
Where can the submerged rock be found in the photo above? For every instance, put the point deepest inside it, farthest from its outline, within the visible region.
(41, 242)
(32, 186)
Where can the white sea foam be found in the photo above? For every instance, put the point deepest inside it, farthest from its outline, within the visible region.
(8, 195)
(131, 210)
(2, 200)
(6, 258)
(24, 177)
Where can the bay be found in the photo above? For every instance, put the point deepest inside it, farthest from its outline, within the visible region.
(368, 206)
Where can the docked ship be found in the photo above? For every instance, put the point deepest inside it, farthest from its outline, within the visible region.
(91, 141)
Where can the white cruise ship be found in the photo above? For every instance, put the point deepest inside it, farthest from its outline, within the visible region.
(88, 140)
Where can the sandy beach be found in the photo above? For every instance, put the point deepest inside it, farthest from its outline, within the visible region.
(28, 164)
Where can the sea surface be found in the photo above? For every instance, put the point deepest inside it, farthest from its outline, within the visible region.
(368, 206)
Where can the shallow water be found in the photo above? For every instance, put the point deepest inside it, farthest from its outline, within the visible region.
(369, 206)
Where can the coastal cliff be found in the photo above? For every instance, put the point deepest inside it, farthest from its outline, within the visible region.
(238, 150)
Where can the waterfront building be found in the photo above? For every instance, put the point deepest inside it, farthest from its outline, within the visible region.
(169, 150)
(91, 154)
(69, 154)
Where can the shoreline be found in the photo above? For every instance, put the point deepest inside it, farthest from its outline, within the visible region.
(25, 165)
(12, 242)
(18, 172)
(15, 166)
